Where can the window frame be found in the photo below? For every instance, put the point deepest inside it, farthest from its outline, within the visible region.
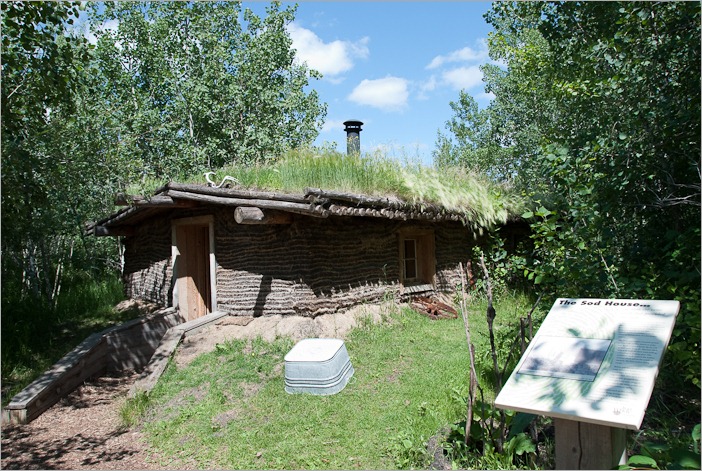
(413, 259)
(424, 257)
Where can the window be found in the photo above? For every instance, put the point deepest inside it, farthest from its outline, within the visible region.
(410, 261)
(417, 264)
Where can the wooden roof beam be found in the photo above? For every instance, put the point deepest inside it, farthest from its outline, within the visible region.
(152, 202)
(306, 209)
(252, 215)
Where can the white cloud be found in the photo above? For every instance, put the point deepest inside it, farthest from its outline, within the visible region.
(467, 54)
(485, 96)
(332, 125)
(463, 77)
(331, 58)
(387, 94)
(426, 87)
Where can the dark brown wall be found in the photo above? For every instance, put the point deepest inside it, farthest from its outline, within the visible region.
(310, 267)
(454, 243)
(147, 262)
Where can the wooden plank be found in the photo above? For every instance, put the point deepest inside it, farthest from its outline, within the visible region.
(421, 288)
(583, 445)
(193, 270)
(234, 192)
(61, 379)
(58, 370)
(568, 451)
(14, 416)
(192, 327)
(88, 359)
(157, 365)
(132, 344)
(153, 201)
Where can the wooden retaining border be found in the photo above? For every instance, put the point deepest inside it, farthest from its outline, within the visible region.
(126, 346)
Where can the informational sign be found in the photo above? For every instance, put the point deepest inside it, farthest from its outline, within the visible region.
(593, 360)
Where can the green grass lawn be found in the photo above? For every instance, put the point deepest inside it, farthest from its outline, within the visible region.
(228, 409)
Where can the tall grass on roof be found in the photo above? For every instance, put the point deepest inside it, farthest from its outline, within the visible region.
(300, 169)
(483, 202)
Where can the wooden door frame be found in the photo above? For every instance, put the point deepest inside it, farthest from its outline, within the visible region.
(195, 221)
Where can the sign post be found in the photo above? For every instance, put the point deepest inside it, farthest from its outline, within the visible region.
(592, 366)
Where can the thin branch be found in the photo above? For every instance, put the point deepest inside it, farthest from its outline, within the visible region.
(490, 318)
(473, 383)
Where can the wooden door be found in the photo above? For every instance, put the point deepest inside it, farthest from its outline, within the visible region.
(193, 270)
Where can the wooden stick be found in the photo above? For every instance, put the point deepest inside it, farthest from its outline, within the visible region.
(471, 353)
(490, 315)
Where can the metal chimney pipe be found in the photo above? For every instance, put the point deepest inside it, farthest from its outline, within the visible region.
(353, 138)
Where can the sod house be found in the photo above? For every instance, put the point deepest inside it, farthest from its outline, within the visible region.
(205, 249)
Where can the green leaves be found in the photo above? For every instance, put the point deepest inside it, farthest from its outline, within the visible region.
(640, 461)
(519, 444)
(170, 88)
(599, 109)
(200, 85)
(664, 455)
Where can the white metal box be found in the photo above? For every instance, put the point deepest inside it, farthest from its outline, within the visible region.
(317, 366)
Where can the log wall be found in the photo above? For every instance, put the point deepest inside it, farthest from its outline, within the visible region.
(309, 267)
(454, 243)
(319, 266)
(148, 270)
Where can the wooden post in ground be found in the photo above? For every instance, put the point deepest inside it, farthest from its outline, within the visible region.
(582, 445)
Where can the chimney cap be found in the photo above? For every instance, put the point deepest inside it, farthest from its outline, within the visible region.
(354, 124)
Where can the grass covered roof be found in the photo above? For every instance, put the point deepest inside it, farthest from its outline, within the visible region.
(484, 203)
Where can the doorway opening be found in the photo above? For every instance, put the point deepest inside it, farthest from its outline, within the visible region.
(193, 252)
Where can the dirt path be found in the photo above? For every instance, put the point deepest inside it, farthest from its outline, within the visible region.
(82, 431)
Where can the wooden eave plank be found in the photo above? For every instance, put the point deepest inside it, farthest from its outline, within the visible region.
(153, 201)
(125, 218)
(235, 193)
(291, 207)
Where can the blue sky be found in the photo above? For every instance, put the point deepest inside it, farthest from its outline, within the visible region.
(395, 66)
